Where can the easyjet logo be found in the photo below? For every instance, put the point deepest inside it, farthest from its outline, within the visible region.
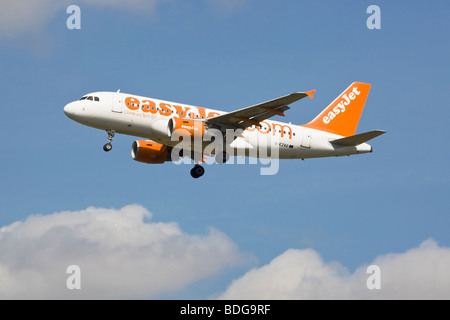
(166, 109)
(274, 128)
(183, 126)
(341, 106)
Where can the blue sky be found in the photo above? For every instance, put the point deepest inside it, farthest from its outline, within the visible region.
(228, 56)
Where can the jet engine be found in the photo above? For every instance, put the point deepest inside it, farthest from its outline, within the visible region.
(186, 127)
(148, 151)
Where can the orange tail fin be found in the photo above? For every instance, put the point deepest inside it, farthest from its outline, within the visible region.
(342, 115)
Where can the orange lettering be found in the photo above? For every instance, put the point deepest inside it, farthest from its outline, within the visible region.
(132, 103)
(181, 111)
(282, 127)
(148, 106)
(165, 109)
(260, 128)
(213, 114)
(201, 112)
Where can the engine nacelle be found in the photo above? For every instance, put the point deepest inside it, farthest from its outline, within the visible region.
(186, 127)
(162, 128)
(165, 128)
(148, 151)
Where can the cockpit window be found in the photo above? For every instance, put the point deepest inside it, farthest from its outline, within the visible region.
(92, 98)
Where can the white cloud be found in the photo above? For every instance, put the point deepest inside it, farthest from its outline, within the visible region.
(419, 273)
(121, 255)
(29, 17)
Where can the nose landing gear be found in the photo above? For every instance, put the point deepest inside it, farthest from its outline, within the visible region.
(107, 147)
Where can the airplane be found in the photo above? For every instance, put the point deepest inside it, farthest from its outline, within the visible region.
(330, 134)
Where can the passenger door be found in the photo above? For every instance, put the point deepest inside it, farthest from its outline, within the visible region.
(117, 103)
(306, 141)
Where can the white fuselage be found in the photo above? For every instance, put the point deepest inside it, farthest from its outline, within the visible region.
(140, 116)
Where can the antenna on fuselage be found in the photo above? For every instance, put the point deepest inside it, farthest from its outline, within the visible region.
(118, 91)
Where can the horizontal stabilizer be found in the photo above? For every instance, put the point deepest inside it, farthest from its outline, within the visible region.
(358, 138)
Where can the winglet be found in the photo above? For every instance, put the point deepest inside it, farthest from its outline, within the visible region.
(310, 93)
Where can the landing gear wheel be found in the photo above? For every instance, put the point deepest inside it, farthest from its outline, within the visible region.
(107, 147)
(197, 171)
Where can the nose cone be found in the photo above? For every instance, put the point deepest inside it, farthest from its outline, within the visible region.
(69, 109)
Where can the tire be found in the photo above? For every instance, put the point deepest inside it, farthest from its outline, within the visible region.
(197, 171)
(107, 147)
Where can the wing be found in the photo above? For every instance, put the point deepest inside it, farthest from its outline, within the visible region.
(253, 115)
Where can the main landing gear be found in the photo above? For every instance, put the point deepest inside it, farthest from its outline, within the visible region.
(222, 157)
(107, 147)
(197, 171)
